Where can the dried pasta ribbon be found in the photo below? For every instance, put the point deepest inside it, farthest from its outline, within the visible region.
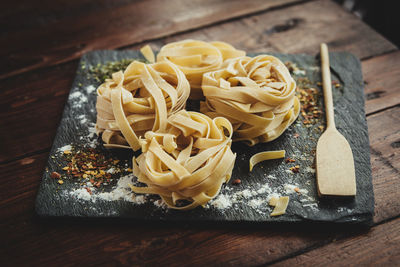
(138, 100)
(256, 94)
(280, 206)
(148, 54)
(266, 155)
(194, 58)
(186, 162)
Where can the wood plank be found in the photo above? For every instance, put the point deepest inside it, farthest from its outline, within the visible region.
(25, 15)
(386, 188)
(382, 77)
(31, 109)
(385, 135)
(68, 36)
(378, 247)
(298, 29)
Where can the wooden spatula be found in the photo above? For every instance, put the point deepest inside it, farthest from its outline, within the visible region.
(335, 164)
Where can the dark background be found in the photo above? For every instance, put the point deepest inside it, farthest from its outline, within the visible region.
(382, 15)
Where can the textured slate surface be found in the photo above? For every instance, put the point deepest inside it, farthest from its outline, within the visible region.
(53, 199)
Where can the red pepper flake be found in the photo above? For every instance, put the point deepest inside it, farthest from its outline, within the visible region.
(295, 169)
(289, 160)
(55, 175)
(297, 189)
(236, 181)
(296, 135)
(308, 98)
(88, 190)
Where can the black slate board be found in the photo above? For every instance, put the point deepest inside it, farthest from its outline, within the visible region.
(54, 199)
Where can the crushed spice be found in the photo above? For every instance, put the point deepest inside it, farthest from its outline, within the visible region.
(236, 181)
(55, 175)
(288, 160)
(89, 190)
(295, 169)
(90, 165)
(309, 105)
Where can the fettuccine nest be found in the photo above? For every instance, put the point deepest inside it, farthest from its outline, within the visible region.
(256, 94)
(139, 100)
(188, 162)
(194, 58)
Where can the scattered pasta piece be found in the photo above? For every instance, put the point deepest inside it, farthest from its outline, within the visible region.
(186, 162)
(148, 53)
(266, 155)
(280, 206)
(195, 58)
(273, 201)
(138, 100)
(256, 94)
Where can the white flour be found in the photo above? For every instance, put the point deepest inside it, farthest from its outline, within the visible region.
(90, 89)
(78, 99)
(121, 191)
(64, 148)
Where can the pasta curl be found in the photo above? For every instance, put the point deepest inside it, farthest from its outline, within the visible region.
(138, 100)
(194, 58)
(187, 163)
(256, 94)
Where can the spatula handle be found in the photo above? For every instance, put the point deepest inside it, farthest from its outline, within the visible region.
(327, 85)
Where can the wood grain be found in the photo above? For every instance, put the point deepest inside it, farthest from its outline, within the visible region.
(386, 188)
(384, 137)
(382, 81)
(386, 141)
(76, 29)
(379, 247)
(31, 110)
(298, 29)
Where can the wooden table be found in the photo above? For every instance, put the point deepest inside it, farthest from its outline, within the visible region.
(41, 46)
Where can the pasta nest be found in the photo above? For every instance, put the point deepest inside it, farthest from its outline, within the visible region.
(188, 162)
(138, 100)
(256, 94)
(194, 58)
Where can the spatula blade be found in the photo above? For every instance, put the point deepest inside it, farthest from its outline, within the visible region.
(335, 165)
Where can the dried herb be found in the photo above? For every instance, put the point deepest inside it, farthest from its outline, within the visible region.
(101, 72)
